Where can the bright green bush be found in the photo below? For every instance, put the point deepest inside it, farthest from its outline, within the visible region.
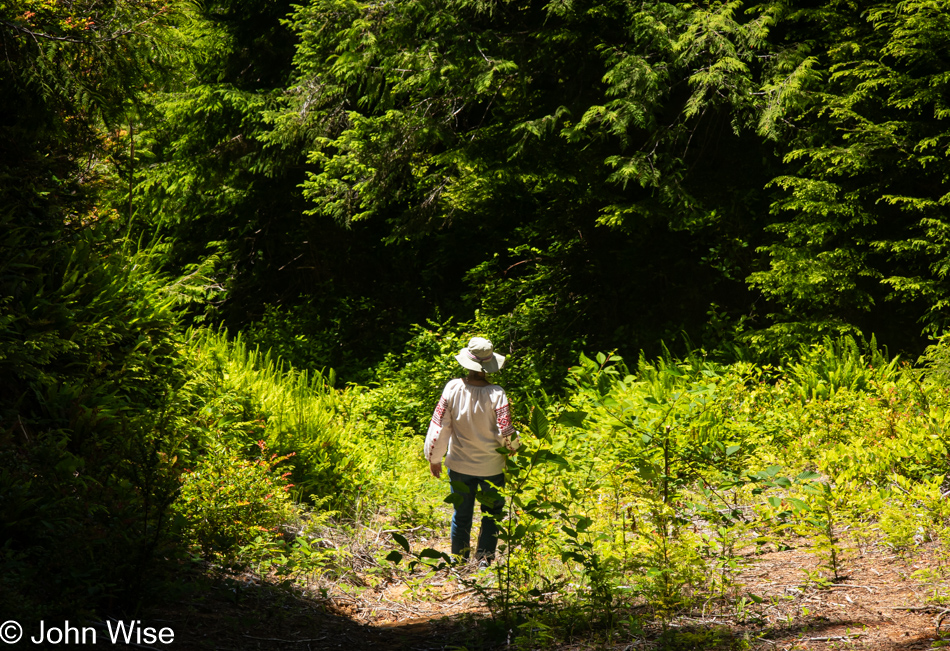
(227, 501)
(246, 396)
(834, 364)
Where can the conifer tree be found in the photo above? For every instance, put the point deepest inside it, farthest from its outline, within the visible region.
(861, 228)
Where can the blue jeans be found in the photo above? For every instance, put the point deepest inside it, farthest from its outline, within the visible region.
(492, 505)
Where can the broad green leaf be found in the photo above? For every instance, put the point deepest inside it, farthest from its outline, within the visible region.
(547, 456)
(401, 541)
(798, 504)
(572, 418)
(539, 423)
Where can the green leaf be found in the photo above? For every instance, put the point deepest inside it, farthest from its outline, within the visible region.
(587, 362)
(798, 504)
(454, 499)
(572, 418)
(488, 499)
(394, 557)
(401, 541)
(647, 470)
(539, 425)
(546, 456)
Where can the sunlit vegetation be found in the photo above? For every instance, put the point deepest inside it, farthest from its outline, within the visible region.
(240, 242)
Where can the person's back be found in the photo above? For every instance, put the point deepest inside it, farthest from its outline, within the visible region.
(469, 425)
(473, 422)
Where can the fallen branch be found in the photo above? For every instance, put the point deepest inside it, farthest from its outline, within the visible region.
(832, 638)
(457, 594)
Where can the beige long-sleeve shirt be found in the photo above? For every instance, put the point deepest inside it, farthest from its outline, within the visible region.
(468, 426)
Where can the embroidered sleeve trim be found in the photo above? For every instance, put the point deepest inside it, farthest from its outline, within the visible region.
(439, 412)
(430, 447)
(503, 416)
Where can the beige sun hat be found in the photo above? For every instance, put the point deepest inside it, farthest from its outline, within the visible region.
(480, 355)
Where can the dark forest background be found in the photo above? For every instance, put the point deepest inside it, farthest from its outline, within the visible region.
(344, 183)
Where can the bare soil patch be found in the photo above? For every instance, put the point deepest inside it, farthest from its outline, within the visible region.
(882, 601)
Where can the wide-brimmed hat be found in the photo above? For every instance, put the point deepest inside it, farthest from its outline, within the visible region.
(480, 355)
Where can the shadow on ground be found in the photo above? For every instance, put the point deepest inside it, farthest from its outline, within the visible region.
(228, 614)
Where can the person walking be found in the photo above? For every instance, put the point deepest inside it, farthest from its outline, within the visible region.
(470, 423)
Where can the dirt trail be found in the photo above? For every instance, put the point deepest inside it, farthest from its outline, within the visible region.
(882, 602)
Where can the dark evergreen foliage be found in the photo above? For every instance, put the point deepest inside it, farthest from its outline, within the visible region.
(861, 227)
(325, 174)
(87, 345)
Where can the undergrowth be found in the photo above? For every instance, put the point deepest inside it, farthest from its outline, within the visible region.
(648, 487)
(636, 497)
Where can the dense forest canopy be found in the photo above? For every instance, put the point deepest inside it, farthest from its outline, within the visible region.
(612, 172)
(326, 176)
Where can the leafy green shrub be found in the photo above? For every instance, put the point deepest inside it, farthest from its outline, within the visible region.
(822, 369)
(228, 501)
(913, 512)
(90, 376)
(409, 383)
(668, 430)
(247, 396)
